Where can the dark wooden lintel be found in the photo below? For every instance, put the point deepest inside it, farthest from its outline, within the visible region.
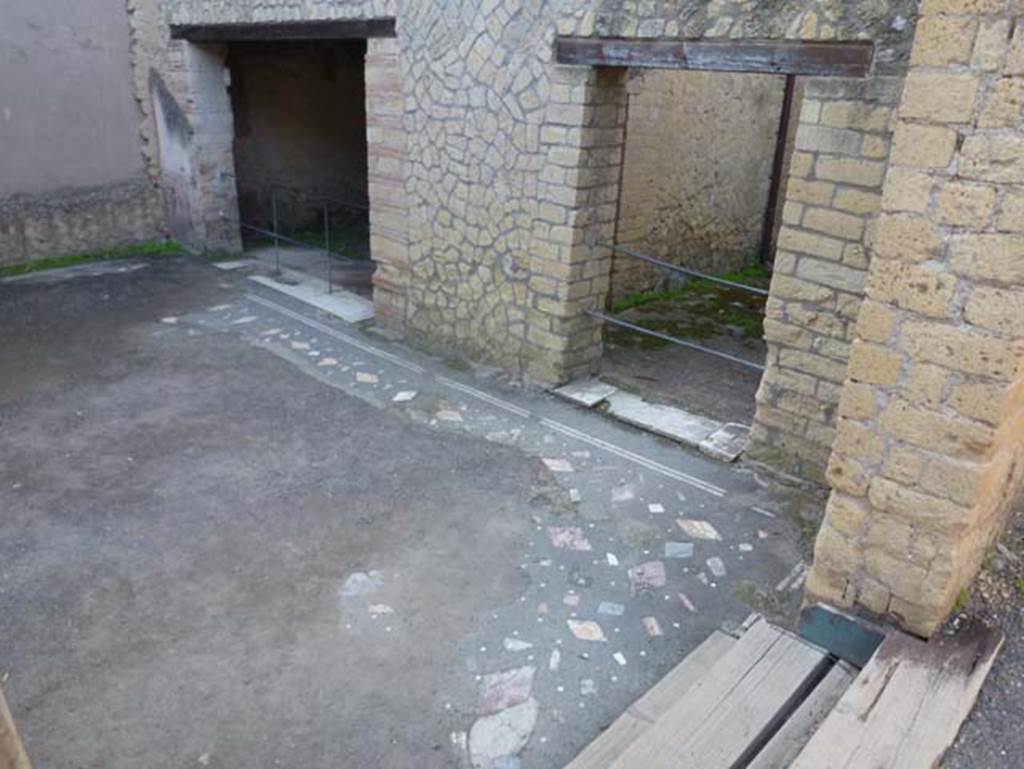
(339, 29)
(780, 57)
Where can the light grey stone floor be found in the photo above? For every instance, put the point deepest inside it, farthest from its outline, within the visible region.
(239, 534)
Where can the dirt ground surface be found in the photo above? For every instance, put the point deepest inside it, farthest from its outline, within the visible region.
(721, 319)
(237, 533)
(992, 737)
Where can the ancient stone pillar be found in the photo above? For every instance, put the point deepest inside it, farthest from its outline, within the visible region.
(214, 196)
(929, 452)
(570, 258)
(386, 163)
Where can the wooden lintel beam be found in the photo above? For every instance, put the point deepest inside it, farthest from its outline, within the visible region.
(779, 57)
(341, 29)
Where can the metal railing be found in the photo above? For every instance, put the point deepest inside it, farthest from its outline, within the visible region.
(324, 203)
(661, 264)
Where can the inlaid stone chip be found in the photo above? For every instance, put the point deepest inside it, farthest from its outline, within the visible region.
(505, 689)
(503, 734)
(568, 538)
(586, 630)
(611, 609)
(699, 529)
(646, 577)
(558, 464)
(678, 550)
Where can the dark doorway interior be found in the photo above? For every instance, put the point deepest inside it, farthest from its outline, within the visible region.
(300, 142)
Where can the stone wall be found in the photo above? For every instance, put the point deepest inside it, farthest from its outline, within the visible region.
(832, 197)
(696, 171)
(499, 256)
(78, 220)
(182, 91)
(929, 455)
(72, 177)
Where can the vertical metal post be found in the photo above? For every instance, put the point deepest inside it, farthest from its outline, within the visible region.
(327, 248)
(778, 169)
(277, 248)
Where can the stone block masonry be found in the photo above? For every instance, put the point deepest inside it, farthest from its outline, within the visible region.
(832, 197)
(78, 221)
(929, 451)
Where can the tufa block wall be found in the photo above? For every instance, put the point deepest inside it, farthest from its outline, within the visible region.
(929, 454)
(832, 196)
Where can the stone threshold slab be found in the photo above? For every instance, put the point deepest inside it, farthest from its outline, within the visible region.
(722, 441)
(236, 264)
(350, 307)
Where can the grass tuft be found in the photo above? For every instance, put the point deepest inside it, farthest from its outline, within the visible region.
(148, 248)
(751, 275)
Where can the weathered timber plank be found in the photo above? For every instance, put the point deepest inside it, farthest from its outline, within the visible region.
(756, 707)
(732, 706)
(907, 705)
(640, 716)
(787, 57)
(342, 29)
(12, 753)
(801, 726)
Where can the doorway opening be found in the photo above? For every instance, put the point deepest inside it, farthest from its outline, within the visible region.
(703, 161)
(300, 154)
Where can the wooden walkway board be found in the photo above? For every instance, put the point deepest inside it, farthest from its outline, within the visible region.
(645, 711)
(12, 754)
(801, 726)
(735, 702)
(906, 706)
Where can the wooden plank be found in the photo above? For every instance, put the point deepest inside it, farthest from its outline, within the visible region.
(640, 716)
(341, 29)
(12, 752)
(733, 706)
(801, 726)
(845, 636)
(907, 705)
(785, 57)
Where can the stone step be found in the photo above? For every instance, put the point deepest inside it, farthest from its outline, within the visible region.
(721, 441)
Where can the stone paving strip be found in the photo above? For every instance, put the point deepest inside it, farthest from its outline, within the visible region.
(612, 594)
(350, 307)
(722, 441)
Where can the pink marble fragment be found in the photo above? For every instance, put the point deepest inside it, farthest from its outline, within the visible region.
(585, 630)
(506, 689)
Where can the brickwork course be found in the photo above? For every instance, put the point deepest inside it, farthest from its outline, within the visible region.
(929, 454)
(496, 183)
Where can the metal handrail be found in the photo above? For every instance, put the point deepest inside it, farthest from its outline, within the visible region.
(673, 339)
(317, 197)
(291, 241)
(604, 317)
(322, 198)
(684, 270)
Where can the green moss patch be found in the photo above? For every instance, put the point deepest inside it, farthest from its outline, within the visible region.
(149, 248)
